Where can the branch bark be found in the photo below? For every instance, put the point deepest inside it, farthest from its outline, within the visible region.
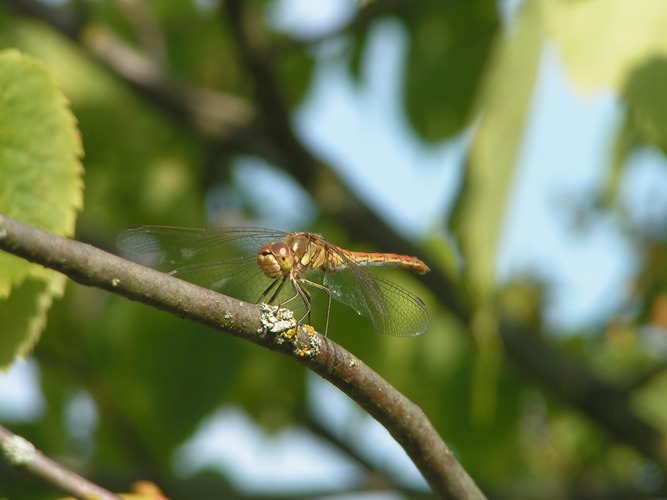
(403, 419)
(21, 453)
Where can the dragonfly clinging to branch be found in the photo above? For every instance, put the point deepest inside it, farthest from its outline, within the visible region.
(263, 265)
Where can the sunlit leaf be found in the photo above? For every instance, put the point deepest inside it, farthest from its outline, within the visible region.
(41, 185)
(503, 109)
(602, 41)
(618, 46)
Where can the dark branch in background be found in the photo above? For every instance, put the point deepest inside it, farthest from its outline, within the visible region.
(62, 20)
(215, 115)
(21, 453)
(607, 405)
(402, 418)
(572, 382)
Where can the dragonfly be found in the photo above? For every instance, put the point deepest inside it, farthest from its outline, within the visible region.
(283, 268)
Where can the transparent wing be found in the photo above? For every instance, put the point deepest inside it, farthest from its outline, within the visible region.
(392, 309)
(224, 260)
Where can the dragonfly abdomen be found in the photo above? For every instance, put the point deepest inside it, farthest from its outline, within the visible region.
(373, 259)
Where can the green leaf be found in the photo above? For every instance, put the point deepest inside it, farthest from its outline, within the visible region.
(480, 211)
(23, 311)
(620, 46)
(601, 41)
(503, 108)
(41, 185)
(647, 103)
(449, 49)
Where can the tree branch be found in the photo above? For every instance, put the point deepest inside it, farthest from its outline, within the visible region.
(19, 452)
(213, 114)
(402, 418)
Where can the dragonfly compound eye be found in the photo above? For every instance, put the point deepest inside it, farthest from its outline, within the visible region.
(275, 260)
(283, 255)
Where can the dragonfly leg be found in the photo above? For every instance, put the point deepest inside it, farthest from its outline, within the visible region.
(325, 290)
(280, 283)
(299, 291)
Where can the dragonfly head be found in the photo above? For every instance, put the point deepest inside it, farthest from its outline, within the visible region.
(275, 260)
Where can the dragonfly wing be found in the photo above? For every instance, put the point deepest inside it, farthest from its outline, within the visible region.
(237, 278)
(178, 246)
(392, 309)
(223, 260)
(407, 314)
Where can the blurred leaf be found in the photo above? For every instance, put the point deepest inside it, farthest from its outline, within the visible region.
(647, 102)
(41, 172)
(23, 312)
(199, 51)
(521, 302)
(448, 50)
(625, 143)
(155, 373)
(503, 109)
(650, 400)
(617, 45)
(482, 205)
(602, 42)
(295, 70)
(620, 46)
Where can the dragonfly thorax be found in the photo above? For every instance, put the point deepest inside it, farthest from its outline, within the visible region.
(308, 254)
(275, 260)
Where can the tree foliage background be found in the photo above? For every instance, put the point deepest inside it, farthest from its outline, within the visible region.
(173, 99)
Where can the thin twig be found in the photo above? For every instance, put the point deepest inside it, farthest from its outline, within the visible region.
(20, 452)
(402, 418)
(213, 114)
